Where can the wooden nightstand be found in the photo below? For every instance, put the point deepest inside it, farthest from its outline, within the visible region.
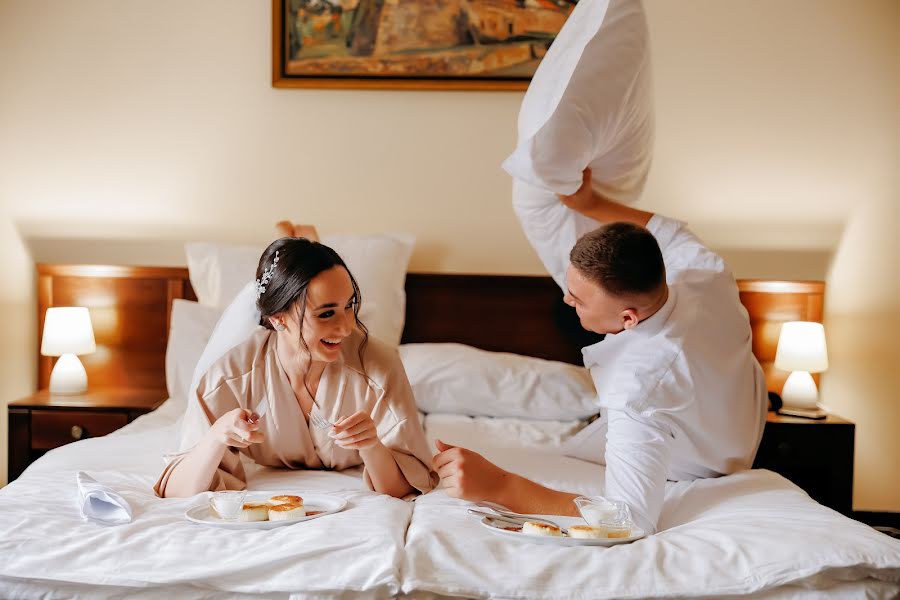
(43, 421)
(815, 455)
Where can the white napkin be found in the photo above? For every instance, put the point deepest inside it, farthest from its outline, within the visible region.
(99, 503)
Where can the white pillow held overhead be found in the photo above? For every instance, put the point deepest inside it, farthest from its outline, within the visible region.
(590, 104)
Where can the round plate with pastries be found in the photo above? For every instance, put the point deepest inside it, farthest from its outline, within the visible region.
(579, 533)
(267, 510)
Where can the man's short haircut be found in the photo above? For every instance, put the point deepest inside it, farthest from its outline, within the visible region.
(622, 258)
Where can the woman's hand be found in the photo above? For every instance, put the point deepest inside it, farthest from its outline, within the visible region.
(236, 428)
(356, 432)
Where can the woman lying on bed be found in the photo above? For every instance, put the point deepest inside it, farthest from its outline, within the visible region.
(310, 359)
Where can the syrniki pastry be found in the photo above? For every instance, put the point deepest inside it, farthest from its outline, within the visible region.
(538, 528)
(285, 499)
(255, 511)
(587, 532)
(286, 512)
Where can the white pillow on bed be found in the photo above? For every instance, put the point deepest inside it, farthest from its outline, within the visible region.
(590, 103)
(483, 434)
(190, 326)
(218, 271)
(462, 380)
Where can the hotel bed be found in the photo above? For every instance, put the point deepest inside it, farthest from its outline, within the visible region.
(752, 533)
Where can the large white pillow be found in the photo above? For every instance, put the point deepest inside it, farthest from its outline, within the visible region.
(218, 271)
(459, 379)
(190, 326)
(590, 103)
(483, 434)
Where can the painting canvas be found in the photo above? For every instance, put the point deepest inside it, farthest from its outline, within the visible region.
(413, 43)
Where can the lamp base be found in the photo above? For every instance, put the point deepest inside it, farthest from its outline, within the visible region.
(800, 397)
(803, 413)
(68, 376)
(800, 391)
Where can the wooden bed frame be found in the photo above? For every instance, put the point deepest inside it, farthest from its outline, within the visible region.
(131, 308)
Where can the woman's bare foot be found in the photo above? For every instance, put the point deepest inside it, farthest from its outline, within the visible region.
(288, 229)
(284, 229)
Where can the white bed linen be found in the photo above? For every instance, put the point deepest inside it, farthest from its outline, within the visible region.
(45, 545)
(749, 533)
(484, 434)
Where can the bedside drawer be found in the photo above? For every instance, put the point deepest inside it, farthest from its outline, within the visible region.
(786, 446)
(51, 429)
(805, 445)
(816, 456)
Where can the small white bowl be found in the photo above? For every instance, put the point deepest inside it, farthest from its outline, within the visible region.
(227, 504)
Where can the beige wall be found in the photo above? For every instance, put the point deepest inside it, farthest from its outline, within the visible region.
(143, 128)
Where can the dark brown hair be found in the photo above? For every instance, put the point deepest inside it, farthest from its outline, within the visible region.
(622, 258)
(299, 261)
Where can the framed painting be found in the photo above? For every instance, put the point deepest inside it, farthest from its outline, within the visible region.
(413, 44)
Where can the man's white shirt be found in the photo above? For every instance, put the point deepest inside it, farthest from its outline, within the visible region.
(684, 397)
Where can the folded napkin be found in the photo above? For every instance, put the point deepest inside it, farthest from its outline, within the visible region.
(99, 503)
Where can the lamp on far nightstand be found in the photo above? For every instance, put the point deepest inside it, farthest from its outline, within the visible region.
(67, 333)
(801, 350)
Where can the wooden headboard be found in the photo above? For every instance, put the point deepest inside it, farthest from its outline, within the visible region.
(130, 309)
(771, 303)
(131, 306)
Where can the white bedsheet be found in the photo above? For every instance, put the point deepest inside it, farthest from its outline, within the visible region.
(752, 532)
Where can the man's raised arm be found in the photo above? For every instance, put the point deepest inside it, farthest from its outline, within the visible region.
(550, 226)
(680, 248)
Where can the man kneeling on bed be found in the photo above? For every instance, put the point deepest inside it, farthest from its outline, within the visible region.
(680, 393)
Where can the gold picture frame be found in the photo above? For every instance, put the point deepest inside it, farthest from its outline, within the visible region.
(412, 44)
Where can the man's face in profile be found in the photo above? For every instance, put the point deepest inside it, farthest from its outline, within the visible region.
(598, 310)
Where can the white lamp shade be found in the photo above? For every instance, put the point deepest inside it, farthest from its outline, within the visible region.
(801, 347)
(67, 330)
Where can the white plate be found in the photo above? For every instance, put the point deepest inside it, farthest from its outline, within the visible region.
(323, 505)
(502, 529)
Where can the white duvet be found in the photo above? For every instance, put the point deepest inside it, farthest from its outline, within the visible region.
(44, 543)
(753, 532)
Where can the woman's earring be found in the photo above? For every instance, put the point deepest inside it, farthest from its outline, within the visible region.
(278, 325)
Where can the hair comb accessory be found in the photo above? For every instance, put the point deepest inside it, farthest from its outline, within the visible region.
(263, 281)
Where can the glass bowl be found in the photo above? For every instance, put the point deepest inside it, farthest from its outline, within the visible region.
(601, 512)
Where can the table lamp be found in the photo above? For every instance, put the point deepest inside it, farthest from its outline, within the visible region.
(801, 350)
(67, 333)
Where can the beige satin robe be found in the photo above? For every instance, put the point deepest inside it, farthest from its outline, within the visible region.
(252, 371)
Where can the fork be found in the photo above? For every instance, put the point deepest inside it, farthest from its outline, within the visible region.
(507, 514)
(318, 421)
(261, 409)
(519, 521)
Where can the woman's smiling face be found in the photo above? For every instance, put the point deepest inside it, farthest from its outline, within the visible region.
(329, 317)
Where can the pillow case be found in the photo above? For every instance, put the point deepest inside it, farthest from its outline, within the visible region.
(590, 104)
(189, 330)
(462, 380)
(218, 271)
(483, 434)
